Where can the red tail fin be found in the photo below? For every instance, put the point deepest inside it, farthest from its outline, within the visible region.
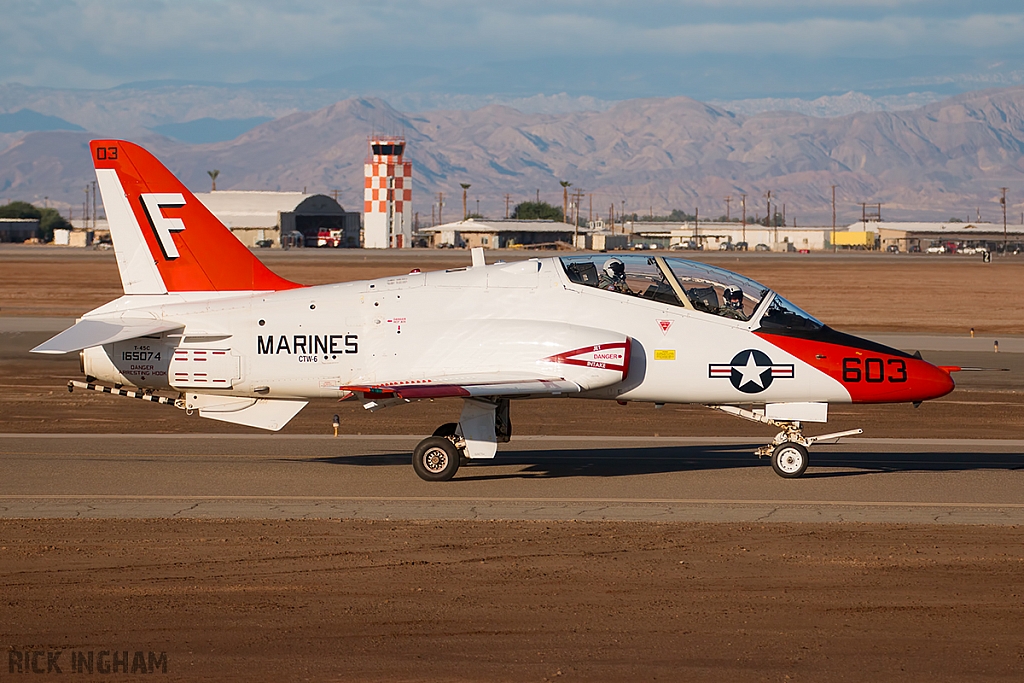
(165, 239)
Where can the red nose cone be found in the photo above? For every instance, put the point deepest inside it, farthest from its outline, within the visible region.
(870, 372)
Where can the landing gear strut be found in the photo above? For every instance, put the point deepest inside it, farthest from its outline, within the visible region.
(483, 424)
(788, 450)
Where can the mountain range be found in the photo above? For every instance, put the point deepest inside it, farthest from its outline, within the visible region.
(946, 158)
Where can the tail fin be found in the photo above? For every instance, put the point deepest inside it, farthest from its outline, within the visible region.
(164, 238)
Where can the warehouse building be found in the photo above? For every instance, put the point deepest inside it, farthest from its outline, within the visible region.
(715, 235)
(18, 229)
(501, 234)
(919, 236)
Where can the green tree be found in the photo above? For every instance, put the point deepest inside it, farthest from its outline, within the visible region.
(537, 210)
(50, 220)
(19, 210)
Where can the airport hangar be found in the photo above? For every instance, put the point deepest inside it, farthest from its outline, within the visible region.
(259, 218)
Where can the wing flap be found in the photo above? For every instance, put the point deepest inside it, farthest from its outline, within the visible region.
(421, 389)
(88, 332)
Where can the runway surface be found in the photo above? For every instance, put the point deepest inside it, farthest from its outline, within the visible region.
(533, 478)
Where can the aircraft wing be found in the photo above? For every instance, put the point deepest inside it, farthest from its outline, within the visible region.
(87, 333)
(465, 387)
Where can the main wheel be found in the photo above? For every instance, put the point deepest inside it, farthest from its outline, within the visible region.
(435, 459)
(789, 460)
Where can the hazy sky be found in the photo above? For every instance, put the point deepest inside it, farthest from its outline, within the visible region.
(611, 50)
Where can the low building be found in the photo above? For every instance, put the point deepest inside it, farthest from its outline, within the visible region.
(501, 233)
(714, 235)
(73, 238)
(914, 236)
(18, 229)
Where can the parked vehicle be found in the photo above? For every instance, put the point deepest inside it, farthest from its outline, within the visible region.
(741, 246)
(762, 247)
(893, 249)
(328, 238)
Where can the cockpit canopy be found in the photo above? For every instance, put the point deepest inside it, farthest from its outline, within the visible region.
(688, 284)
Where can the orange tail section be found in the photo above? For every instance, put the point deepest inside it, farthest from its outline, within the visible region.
(165, 239)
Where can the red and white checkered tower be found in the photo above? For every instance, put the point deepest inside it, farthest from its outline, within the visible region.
(387, 205)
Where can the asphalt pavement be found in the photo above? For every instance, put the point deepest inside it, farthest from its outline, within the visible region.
(556, 478)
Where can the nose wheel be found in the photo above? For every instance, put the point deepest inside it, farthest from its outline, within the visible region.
(789, 460)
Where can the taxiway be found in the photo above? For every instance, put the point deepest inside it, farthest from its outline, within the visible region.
(968, 481)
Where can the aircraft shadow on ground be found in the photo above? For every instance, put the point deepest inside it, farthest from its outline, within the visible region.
(617, 462)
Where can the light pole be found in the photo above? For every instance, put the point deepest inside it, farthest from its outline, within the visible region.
(565, 198)
(1002, 200)
(465, 187)
(743, 201)
(834, 219)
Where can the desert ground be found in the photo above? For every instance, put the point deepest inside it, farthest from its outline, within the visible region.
(229, 598)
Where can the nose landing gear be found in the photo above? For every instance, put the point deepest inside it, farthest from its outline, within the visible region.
(788, 450)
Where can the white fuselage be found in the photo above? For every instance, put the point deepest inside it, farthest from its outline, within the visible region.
(503, 319)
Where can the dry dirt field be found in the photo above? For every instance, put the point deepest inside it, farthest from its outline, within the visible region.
(519, 601)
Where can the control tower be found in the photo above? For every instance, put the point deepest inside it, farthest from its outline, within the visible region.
(387, 202)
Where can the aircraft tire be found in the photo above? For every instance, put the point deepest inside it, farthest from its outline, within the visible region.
(789, 460)
(436, 459)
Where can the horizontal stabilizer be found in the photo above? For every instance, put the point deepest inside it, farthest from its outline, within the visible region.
(88, 333)
(264, 413)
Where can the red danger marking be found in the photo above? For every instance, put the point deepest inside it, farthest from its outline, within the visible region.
(664, 325)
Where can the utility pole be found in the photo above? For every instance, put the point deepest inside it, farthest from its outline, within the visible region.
(433, 222)
(590, 213)
(834, 219)
(1002, 200)
(85, 208)
(538, 195)
(743, 201)
(508, 198)
(728, 216)
(440, 203)
(577, 196)
(768, 217)
(94, 205)
(465, 187)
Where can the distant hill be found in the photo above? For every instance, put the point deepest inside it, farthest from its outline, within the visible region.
(946, 158)
(29, 121)
(205, 130)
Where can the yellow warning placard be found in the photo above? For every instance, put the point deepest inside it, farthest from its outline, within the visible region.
(664, 354)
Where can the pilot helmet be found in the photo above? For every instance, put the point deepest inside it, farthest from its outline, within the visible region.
(733, 297)
(615, 268)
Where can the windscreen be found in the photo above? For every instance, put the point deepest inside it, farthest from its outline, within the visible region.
(716, 290)
(784, 316)
(707, 289)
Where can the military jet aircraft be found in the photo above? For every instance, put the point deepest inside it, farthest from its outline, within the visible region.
(204, 318)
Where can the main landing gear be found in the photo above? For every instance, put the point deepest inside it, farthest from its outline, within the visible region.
(483, 424)
(788, 450)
